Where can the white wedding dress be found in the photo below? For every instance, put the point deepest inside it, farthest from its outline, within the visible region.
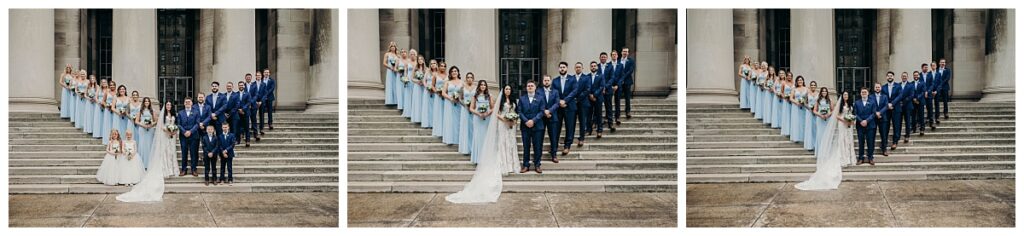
(834, 151)
(162, 164)
(497, 158)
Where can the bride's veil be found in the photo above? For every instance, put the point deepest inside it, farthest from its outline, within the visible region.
(486, 183)
(151, 188)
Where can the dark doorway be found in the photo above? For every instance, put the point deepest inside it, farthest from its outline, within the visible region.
(520, 43)
(777, 41)
(854, 34)
(431, 33)
(100, 43)
(176, 38)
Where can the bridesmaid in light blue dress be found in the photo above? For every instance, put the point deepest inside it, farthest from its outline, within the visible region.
(466, 128)
(482, 104)
(777, 101)
(145, 121)
(134, 107)
(766, 97)
(408, 87)
(390, 64)
(73, 101)
(796, 113)
(809, 118)
(824, 110)
(787, 92)
(744, 74)
(120, 110)
(65, 91)
(97, 113)
(427, 98)
(402, 68)
(91, 108)
(416, 113)
(757, 107)
(440, 80)
(81, 105)
(108, 115)
(452, 93)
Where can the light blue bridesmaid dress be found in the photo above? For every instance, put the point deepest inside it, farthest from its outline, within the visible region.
(426, 101)
(400, 86)
(744, 89)
(451, 115)
(119, 121)
(407, 88)
(145, 136)
(752, 90)
(483, 104)
(108, 119)
(766, 104)
(389, 83)
(776, 111)
(91, 108)
(73, 103)
(97, 115)
(81, 107)
(823, 107)
(758, 96)
(417, 94)
(65, 97)
(439, 109)
(466, 127)
(796, 118)
(809, 123)
(133, 111)
(784, 120)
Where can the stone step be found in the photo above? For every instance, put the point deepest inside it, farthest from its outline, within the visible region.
(285, 115)
(453, 156)
(410, 125)
(634, 101)
(238, 177)
(914, 137)
(239, 169)
(801, 151)
(426, 132)
(440, 147)
(387, 118)
(810, 159)
(237, 187)
(635, 111)
(766, 131)
(952, 141)
(519, 186)
(880, 166)
(100, 147)
(590, 139)
(951, 104)
(552, 175)
(854, 176)
(320, 128)
(951, 124)
(28, 162)
(748, 120)
(466, 166)
(93, 141)
(277, 124)
(634, 106)
(271, 134)
(952, 109)
(241, 152)
(744, 114)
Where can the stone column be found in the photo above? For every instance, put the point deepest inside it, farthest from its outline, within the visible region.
(968, 60)
(234, 49)
(999, 76)
(363, 37)
(472, 42)
(710, 56)
(394, 27)
(880, 56)
(292, 52)
(67, 40)
(655, 51)
(813, 39)
(31, 57)
(911, 41)
(588, 32)
(134, 56)
(745, 38)
(553, 41)
(323, 95)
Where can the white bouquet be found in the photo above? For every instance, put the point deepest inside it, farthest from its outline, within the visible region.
(171, 127)
(457, 95)
(147, 120)
(481, 108)
(419, 75)
(511, 115)
(849, 117)
(132, 115)
(121, 110)
(823, 110)
(466, 101)
(801, 100)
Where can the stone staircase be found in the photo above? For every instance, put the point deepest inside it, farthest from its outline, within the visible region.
(388, 153)
(726, 144)
(49, 155)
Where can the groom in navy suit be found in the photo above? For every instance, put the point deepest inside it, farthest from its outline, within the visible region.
(188, 131)
(531, 110)
(568, 90)
(865, 112)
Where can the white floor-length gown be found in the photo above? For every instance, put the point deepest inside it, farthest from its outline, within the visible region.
(497, 157)
(835, 151)
(162, 164)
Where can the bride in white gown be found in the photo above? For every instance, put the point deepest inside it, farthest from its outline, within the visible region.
(835, 148)
(498, 156)
(161, 163)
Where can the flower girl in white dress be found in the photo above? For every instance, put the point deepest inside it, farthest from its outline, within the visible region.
(131, 166)
(109, 168)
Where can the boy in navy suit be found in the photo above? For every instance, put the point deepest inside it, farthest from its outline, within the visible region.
(211, 150)
(243, 107)
(866, 115)
(531, 110)
(551, 102)
(227, 155)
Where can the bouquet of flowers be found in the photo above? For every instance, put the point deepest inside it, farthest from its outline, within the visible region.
(132, 115)
(511, 115)
(849, 117)
(769, 83)
(117, 149)
(438, 87)
(403, 78)
(823, 110)
(147, 120)
(67, 81)
(128, 151)
(482, 107)
(391, 61)
(419, 75)
(91, 93)
(171, 127)
(466, 101)
(457, 95)
(121, 110)
(401, 68)
(801, 100)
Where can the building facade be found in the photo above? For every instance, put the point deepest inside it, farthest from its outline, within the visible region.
(845, 49)
(513, 45)
(169, 54)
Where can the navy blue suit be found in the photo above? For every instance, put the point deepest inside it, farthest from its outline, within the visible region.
(882, 123)
(626, 86)
(895, 93)
(904, 110)
(585, 105)
(211, 150)
(227, 143)
(256, 95)
(609, 77)
(533, 138)
(216, 102)
(569, 91)
(920, 89)
(230, 111)
(188, 121)
(552, 125)
(241, 126)
(929, 81)
(267, 109)
(204, 119)
(942, 91)
(865, 135)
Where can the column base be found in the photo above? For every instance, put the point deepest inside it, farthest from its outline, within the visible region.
(712, 96)
(364, 90)
(998, 95)
(43, 105)
(322, 105)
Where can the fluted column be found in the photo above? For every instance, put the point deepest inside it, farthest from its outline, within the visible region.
(588, 32)
(911, 41)
(363, 37)
(968, 59)
(655, 51)
(813, 38)
(1000, 62)
(709, 59)
(472, 42)
(31, 76)
(67, 40)
(292, 49)
(134, 50)
(323, 93)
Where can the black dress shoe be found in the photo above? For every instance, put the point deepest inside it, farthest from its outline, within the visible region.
(271, 127)
(262, 133)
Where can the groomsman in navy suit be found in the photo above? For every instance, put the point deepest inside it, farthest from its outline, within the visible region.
(188, 133)
(615, 80)
(211, 152)
(230, 111)
(866, 115)
(584, 100)
(904, 111)
(568, 90)
(942, 90)
(531, 112)
(551, 102)
(256, 91)
(227, 155)
(267, 107)
(882, 116)
(893, 91)
(244, 112)
(628, 67)
(931, 80)
(204, 110)
(216, 102)
(920, 90)
(596, 100)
